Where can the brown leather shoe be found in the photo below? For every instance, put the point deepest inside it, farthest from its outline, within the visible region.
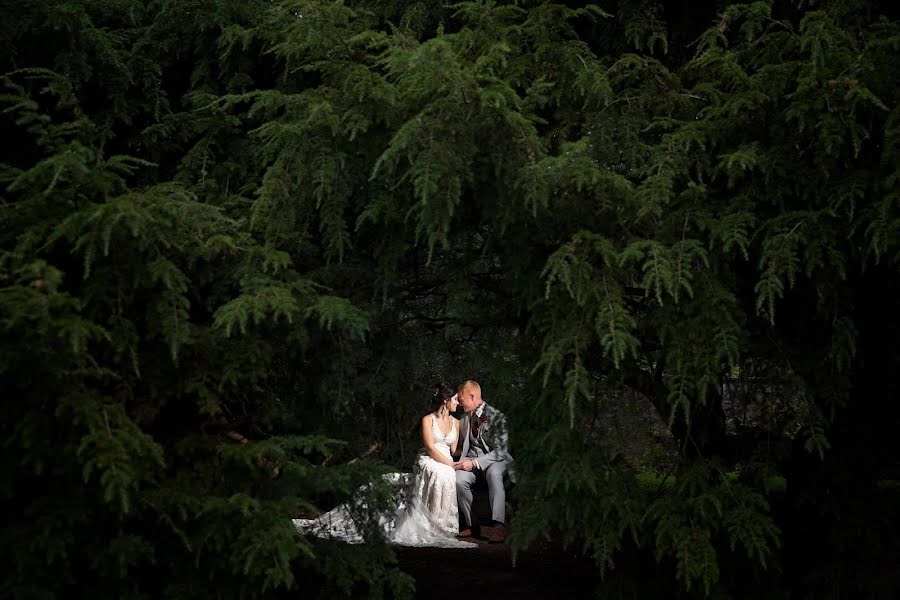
(498, 535)
(464, 533)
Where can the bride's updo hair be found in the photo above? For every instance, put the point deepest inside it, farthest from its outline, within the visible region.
(440, 393)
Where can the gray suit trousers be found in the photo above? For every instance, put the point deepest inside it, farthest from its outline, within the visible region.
(465, 480)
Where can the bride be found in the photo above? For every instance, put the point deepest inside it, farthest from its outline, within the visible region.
(429, 514)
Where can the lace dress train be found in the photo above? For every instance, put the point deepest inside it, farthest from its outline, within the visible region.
(427, 515)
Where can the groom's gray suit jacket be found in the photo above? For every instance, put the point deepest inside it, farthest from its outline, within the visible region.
(492, 443)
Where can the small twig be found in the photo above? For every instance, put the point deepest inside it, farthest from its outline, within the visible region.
(621, 99)
(236, 437)
(261, 461)
(376, 445)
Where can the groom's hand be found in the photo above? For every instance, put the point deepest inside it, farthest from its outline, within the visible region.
(465, 465)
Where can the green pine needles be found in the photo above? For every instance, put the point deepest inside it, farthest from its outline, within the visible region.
(238, 239)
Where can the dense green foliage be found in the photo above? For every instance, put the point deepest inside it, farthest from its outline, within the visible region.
(278, 222)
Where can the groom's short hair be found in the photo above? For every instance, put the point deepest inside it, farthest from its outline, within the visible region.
(469, 383)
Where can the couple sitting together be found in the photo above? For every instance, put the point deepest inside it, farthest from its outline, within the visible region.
(439, 490)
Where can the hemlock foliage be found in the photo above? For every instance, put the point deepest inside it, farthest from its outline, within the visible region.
(239, 239)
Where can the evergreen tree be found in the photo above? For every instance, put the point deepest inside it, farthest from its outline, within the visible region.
(240, 238)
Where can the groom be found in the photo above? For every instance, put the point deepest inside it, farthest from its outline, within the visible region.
(484, 455)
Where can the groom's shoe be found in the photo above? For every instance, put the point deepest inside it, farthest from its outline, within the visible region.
(498, 535)
(464, 533)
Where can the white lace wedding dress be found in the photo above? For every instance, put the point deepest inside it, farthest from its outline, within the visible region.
(428, 514)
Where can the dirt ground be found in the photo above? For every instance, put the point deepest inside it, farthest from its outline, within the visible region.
(545, 571)
(487, 571)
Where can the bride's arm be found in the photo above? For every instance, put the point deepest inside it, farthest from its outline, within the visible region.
(428, 440)
(456, 441)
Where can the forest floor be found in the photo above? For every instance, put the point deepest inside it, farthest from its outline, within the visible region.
(545, 571)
